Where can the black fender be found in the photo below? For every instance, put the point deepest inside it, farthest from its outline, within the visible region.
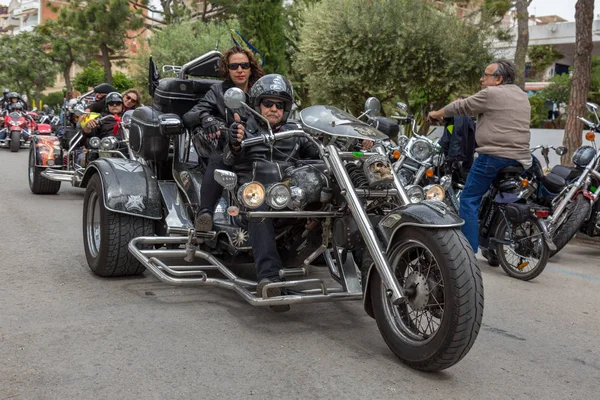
(430, 214)
(47, 151)
(129, 187)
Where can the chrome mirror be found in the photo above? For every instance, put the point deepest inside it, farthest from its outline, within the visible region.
(227, 179)
(372, 107)
(592, 107)
(402, 106)
(234, 98)
(79, 111)
(561, 150)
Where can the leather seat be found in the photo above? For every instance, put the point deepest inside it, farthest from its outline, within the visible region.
(553, 182)
(566, 173)
(511, 170)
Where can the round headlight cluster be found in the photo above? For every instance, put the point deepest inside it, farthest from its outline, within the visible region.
(421, 150)
(94, 142)
(109, 143)
(434, 192)
(252, 194)
(279, 196)
(415, 193)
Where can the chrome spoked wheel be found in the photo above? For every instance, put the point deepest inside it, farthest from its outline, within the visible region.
(418, 320)
(93, 224)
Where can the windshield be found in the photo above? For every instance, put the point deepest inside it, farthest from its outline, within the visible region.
(335, 122)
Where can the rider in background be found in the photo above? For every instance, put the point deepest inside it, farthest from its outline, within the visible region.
(131, 99)
(114, 106)
(272, 96)
(238, 68)
(15, 102)
(5, 100)
(100, 92)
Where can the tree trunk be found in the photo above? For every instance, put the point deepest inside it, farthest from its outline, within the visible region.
(584, 16)
(106, 61)
(522, 41)
(67, 76)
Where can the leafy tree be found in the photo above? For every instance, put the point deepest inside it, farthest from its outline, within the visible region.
(584, 16)
(91, 76)
(53, 99)
(107, 24)
(558, 91)
(26, 65)
(180, 43)
(540, 58)
(396, 50)
(122, 82)
(65, 46)
(262, 24)
(539, 111)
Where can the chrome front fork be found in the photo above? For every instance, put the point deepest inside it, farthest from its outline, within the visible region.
(377, 252)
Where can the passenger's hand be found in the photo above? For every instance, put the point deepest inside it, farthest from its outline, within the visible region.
(236, 132)
(212, 126)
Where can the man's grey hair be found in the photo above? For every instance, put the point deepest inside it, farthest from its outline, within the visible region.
(505, 69)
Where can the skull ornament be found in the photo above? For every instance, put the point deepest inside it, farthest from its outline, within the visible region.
(378, 171)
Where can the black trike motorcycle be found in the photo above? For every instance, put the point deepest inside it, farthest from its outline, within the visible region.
(409, 263)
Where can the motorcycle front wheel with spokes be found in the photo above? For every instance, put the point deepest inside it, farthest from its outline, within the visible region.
(439, 321)
(521, 248)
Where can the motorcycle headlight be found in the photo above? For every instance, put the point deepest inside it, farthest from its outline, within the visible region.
(421, 150)
(415, 193)
(94, 142)
(434, 192)
(278, 196)
(437, 160)
(406, 176)
(109, 143)
(252, 194)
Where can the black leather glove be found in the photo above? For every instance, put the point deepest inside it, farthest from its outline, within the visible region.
(211, 125)
(233, 134)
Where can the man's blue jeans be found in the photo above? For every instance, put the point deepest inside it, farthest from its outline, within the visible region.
(483, 172)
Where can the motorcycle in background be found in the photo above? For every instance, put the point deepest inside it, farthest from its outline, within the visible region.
(16, 130)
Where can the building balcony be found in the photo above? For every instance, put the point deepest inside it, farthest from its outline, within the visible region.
(30, 4)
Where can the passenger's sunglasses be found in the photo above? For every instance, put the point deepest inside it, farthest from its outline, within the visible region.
(128, 97)
(114, 103)
(270, 103)
(234, 66)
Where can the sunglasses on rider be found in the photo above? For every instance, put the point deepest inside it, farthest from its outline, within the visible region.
(234, 66)
(128, 97)
(114, 103)
(270, 103)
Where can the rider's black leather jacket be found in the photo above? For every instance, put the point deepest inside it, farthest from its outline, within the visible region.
(213, 104)
(256, 162)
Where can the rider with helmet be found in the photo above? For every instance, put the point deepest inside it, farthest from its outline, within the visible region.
(106, 127)
(272, 96)
(15, 102)
(5, 99)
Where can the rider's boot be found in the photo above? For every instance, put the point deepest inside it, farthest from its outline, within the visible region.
(272, 292)
(491, 257)
(203, 221)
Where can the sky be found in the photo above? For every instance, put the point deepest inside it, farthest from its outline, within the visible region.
(562, 8)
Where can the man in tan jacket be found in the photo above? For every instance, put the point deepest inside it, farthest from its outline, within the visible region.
(503, 117)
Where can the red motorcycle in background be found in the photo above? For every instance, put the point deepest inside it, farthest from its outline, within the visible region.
(18, 127)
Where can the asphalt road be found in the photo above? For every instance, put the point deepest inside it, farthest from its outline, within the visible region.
(66, 334)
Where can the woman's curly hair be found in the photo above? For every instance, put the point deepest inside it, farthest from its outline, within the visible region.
(256, 70)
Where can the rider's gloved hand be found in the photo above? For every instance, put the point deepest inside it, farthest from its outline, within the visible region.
(236, 132)
(212, 126)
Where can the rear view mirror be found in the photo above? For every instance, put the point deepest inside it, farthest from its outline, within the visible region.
(592, 107)
(561, 150)
(227, 179)
(234, 98)
(402, 106)
(372, 106)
